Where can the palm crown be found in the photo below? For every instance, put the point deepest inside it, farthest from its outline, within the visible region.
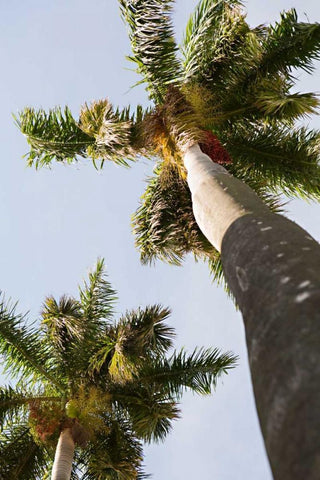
(111, 382)
(228, 87)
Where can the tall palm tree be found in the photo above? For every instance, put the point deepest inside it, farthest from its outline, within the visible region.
(89, 389)
(223, 112)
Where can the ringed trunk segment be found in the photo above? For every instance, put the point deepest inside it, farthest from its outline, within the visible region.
(63, 458)
(272, 267)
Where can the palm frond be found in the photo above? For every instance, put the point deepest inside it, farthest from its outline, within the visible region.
(273, 51)
(164, 224)
(114, 132)
(286, 159)
(288, 107)
(290, 44)
(63, 326)
(148, 335)
(198, 372)
(97, 299)
(52, 136)
(151, 412)
(153, 46)
(24, 353)
(20, 457)
(213, 31)
(116, 455)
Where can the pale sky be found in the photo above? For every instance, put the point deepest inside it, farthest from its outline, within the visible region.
(56, 223)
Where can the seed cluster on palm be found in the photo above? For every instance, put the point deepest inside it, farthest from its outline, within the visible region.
(228, 79)
(108, 385)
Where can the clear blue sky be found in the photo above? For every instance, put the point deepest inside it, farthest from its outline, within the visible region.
(56, 223)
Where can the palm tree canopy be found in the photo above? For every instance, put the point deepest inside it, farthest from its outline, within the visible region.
(228, 86)
(112, 382)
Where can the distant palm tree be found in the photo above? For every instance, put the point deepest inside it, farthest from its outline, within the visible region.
(227, 97)
(88, 383)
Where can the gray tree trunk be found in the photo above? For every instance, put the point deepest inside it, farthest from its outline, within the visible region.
(63, 459)
(272, 267)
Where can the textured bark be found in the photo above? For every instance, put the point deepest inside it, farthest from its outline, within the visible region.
(63, 459)
(273, 269)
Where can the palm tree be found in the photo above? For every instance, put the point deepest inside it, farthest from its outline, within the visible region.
(225, 99)
(89, 389)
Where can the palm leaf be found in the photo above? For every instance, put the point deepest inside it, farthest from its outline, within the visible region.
(148, 335)
(213, 31)
(114, 132)
(151, 411)
(164, 224)
(97, 299)
(52, 136)
(20, 457)
(24, 353)
(153, 46)
(198, 372)
(286, 159)
(290, 44)
(116, 455)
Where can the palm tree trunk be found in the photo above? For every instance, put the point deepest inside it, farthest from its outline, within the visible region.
(63, 459)
(272, 267)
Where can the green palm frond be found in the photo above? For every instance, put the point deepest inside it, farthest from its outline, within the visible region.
(152, 41)
(164, 224)
(286, 159)
(20, 457)
(62, 321)
(273, 50)
(97, 299)
(25, 355)
(52, 136)
(116, 455)
(290, 44)
(63, 326)
(148, 335)
(288, 107)
(198, 372)
(151, 413)
(121, 367)
(213, 31)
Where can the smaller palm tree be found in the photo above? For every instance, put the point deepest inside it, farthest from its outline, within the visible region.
(90, 389)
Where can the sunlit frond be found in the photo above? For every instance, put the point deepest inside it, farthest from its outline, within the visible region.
(112, 130)
(152, 42)
(197, 371)
(286, 159)
(213, 31)
(148, 335)
(97, 299)
(52, 136)
(25, 356)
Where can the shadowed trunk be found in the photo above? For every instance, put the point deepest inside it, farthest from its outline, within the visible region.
(272, 267)
(63, 459)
